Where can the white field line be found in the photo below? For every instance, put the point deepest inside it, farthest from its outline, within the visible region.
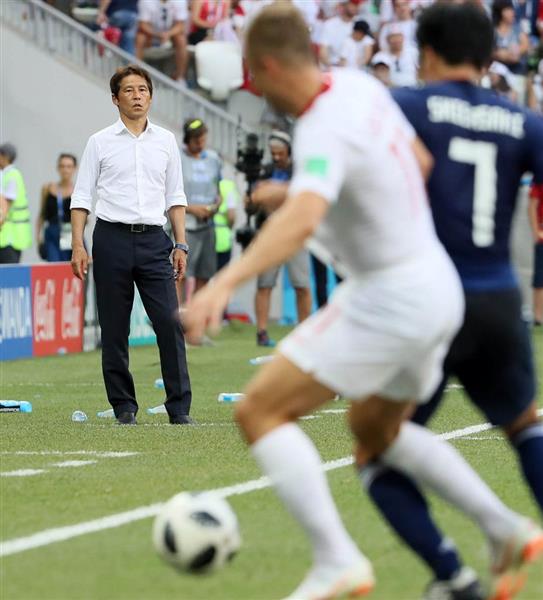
(22, 473)
(97, 453)
(74, 463)
(60, 534)
(483, 438)
(63, 464)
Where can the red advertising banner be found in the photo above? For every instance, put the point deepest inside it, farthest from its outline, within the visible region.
(58, 310)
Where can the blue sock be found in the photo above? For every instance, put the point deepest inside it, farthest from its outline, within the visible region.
(404, 507)
(529, 446)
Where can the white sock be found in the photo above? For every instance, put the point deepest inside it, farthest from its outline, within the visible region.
(289, 458)
(436, 464)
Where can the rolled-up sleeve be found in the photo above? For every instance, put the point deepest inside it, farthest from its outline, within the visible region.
(87, 177)
(175, 191)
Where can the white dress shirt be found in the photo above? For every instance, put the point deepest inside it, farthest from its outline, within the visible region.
(134, 179)
(9, 191)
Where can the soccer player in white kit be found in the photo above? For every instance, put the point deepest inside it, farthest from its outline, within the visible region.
(359, 193)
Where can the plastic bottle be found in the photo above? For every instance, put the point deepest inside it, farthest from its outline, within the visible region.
(157, 410)
(78, 416)
(159, 383)
(261, 360)
(105, 414)
(15, 406)
(230, 397)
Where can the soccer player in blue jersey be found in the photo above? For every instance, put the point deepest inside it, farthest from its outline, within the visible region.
(481, 145)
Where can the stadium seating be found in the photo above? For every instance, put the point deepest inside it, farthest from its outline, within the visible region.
(218, 68)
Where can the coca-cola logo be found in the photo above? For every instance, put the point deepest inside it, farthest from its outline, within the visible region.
(71, 309)
(44, 310)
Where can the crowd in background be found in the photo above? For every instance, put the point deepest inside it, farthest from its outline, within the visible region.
(374, 35)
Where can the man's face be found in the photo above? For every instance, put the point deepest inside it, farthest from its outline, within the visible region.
(350, 9)
(402, 9)
(280, 155)
(4, 161)
(134, 98)
(196, 145)
(395, 42)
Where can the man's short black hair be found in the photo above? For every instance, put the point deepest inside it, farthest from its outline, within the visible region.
(458, 33)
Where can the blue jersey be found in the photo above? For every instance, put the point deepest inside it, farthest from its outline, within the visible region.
(482, 145)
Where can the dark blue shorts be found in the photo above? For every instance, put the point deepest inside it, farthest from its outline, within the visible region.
(538, 266)
(492, 358)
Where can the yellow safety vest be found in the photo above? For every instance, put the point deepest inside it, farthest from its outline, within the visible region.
(223, 234)
(16, 230)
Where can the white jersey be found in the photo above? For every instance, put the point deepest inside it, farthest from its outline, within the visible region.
(353, 147)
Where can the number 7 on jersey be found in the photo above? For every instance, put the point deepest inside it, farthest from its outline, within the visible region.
(483, 156)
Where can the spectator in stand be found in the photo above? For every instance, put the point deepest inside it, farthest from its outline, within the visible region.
(122, 14)
(536, 221)
(56, 237)
(512, 44)
(404, 59)
(310, 12)
(334, 33)
(401, 22)
(201, 176)
(501, 81)
(205, 16)
(381, 65)
(358, 47)
(161, 23)
(15, 229)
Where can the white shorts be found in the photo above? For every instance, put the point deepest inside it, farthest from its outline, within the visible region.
(386, 333)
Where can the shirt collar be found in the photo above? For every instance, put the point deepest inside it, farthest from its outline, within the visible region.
(119, 126)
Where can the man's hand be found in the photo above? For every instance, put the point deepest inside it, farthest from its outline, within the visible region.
(539, 237)
(200, 211)
(164, 37)
(4, 209)
(80, 262)
(179, 262)
(206, 309)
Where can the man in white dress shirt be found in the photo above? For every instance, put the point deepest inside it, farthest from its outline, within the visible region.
(133, 168)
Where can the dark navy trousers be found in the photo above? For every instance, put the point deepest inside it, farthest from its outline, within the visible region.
(121, 259)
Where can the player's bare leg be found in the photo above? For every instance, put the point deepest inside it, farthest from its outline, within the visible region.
(277, 396)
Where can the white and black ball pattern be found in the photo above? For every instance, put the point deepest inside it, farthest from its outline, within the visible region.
(196, 533)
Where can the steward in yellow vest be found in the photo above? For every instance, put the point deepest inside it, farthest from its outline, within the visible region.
(15, 228)
(224, 220)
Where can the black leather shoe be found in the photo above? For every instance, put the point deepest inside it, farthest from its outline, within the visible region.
(181, 420)
(127, 418)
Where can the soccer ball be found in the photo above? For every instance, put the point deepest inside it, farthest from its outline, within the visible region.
(196, 533)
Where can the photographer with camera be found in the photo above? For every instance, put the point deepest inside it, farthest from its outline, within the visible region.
(267, 195)
(201, 176)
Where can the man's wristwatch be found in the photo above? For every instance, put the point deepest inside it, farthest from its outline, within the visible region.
(183, 247)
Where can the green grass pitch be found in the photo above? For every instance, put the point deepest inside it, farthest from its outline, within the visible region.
(120, 563)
